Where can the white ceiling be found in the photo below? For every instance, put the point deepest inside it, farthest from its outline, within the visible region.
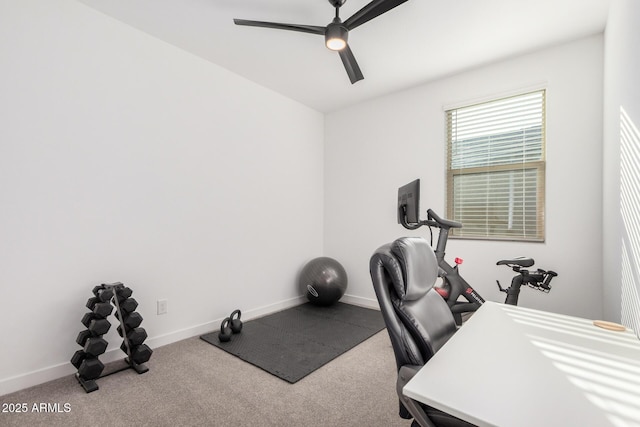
(418, 41)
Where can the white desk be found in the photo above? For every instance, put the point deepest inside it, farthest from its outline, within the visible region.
(515, 367)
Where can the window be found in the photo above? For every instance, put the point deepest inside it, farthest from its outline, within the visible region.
(496, 168)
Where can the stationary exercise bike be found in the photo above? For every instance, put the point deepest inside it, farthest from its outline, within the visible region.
(453, 285)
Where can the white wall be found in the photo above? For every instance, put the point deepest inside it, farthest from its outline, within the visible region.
(125, 159)
(621, 172)
(373, 148)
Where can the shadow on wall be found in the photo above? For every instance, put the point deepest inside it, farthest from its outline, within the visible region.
(630, 213)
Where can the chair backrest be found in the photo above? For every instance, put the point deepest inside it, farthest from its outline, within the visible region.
(418, 320)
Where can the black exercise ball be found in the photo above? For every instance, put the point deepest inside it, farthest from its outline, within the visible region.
(323, 280)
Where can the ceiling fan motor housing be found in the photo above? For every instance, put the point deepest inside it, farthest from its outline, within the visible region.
(337, 3)
(336, 31)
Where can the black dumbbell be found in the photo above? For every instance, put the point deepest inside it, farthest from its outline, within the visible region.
(100, 309)
(92, 345)
(128, 305)
(95, 325)
(77, 358)
(99, 327)
(130, 321)
(136, 336)
(122, 293)
(90, 368)
(103, 293)
(83, 336)
(141, 354)
(95, 346)
(91, 302)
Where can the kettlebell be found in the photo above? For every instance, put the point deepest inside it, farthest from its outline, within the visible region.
(225, 331)
(236, 324)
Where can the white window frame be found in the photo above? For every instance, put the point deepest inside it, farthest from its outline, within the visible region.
(495, 220)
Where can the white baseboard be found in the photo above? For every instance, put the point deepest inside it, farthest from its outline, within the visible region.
(360, 301)
(19, 382)
(40, 376)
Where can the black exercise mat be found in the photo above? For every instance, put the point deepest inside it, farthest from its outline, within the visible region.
(291, 344)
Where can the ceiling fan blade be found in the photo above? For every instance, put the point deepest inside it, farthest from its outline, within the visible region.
(313, 29)
(351, 65)
(370, 11)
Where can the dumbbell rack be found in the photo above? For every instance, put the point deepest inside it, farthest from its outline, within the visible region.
(101, 305)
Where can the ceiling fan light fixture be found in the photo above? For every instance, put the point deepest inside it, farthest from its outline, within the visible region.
(336, 36)
(336, 44)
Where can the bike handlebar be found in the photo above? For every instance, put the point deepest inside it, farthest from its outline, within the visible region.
(442, 223)
(540, 280)
(547, 280)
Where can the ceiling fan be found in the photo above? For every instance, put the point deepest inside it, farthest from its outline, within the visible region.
(336, 33)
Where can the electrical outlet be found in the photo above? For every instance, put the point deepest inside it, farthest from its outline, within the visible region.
(162, 306)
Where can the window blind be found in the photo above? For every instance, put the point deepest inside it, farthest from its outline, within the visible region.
(495, 168)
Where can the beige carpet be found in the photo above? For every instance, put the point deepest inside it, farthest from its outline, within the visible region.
(191, 383)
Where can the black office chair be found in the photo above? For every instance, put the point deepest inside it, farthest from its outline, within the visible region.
(418, 320)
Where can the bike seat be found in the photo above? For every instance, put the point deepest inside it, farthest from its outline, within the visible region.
(521, 261)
